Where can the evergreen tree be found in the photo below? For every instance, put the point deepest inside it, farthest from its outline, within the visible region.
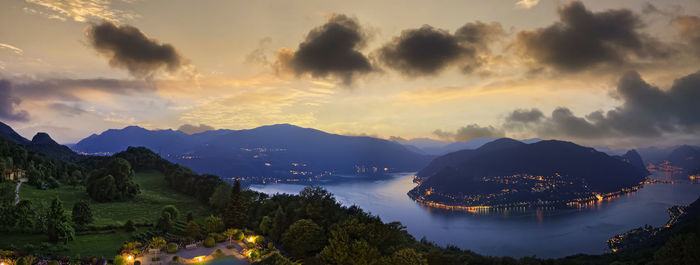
(164, 222)
(278, 224)
(192, 230)
(82, 214)
(236, 212)
(58, 227)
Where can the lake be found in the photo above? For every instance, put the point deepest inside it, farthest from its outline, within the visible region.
(546, 234)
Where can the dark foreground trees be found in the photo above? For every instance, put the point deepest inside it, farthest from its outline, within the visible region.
(58, 226)
(81, 214)
(235, 215)
(113, 182)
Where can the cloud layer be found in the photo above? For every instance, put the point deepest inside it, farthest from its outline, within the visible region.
(129, 48)
(428, 50)
(646, 111)
(8, 104)
(329, 50)
(582, 39)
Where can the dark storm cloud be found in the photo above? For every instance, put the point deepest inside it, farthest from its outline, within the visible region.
(646, 111)
(8, 104)
(330, 50)
(428, 50)
(582, 39)
(689, 30)
(469, 132)
(129, 48)
(192, 129)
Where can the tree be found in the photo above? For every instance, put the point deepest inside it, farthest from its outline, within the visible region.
(192, 230)
(341, 249)
(408, 256)
(82, 214)
(113, 182)
(24, 215)
(219, 200)
(164, 222)
(157, 243)
(680, 249)
(172, 210)
(213, 224)
(303, 238)
(58, 227)
(278, 224)
(229, 234)
(236, 212)
(265, 225)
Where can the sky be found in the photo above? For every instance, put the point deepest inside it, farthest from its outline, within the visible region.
(608, 73)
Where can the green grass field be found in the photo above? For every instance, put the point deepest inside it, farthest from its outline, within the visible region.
(144, 208)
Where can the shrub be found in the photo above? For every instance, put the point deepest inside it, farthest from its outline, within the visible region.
(220, 238)
(209, 242)
(138, 262)
(119, 260)
(176, 259)
(250, 245)
(218, 252)
(129, 226)
(171, 248)
(255, 254)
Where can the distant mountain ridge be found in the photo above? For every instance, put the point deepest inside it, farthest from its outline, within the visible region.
(274, 150)
(40, 143)
(508, 170)
(435, 147)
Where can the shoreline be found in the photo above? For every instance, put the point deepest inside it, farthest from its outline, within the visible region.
(576, 203)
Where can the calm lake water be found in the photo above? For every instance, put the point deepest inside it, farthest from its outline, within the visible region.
(533, 233)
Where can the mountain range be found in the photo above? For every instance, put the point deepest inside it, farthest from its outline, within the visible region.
(436, 147)
(280, 151)
(40, 143)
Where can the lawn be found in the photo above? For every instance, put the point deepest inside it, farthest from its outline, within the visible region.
(144, 208)
(98, 245)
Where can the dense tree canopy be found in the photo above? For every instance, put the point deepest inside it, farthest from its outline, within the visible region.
(58, 227)
(82, 214)
(113, 182)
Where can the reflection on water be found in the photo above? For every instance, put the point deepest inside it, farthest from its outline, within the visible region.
(512, 231)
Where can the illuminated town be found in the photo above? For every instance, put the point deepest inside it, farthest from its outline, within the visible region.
(520, 190)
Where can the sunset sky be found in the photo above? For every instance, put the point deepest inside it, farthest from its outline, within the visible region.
(610, 73)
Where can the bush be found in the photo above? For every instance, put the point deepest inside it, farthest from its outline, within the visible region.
(220, 238)
(176, 259)
(138, 262)
(218, 252)
(209, 242)
(171, 248)
(119, 260)
(250, 245)
(129, 226)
